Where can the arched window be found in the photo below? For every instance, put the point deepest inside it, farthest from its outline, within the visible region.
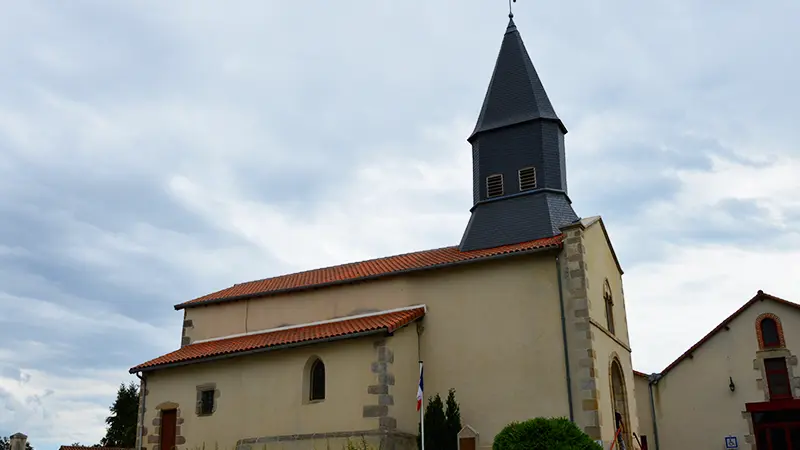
(317, 379)
(608, 300)
(769, 331)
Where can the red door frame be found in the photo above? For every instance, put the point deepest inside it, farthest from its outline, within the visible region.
(787, 427)
(775, 406)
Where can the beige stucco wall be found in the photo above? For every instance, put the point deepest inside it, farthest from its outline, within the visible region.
(696, 390)
(405, 368)
(492, 332)
(303, 307)
(643, 409)
(261, 395)
(602, 266)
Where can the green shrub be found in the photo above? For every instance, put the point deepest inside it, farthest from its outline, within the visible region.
(543, 434)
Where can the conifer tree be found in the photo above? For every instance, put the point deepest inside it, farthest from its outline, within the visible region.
(435, 431)
(452, 422)
(121, 429)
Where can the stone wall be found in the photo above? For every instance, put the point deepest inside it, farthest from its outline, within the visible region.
(580, 336)
(369, 439)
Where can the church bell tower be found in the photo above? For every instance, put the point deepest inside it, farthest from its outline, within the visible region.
(518, 163)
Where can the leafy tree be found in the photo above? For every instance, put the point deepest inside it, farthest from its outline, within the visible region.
(121, 429)
(5, 444)
(543, 434)
(452, 422)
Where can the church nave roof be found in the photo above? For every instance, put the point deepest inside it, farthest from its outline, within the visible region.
(367, 270)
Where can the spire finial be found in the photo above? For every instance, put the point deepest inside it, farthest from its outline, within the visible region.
(510, 11)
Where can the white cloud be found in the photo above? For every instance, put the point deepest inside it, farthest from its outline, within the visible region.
(58, 410)
(412, 200)
(674, 302)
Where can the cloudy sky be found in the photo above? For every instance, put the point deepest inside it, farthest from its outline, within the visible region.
(153, 151)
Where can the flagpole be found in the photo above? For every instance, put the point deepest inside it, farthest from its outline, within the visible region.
(422, 410)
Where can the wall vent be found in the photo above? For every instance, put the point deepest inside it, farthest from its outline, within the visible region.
(527, 178)
(494, 185)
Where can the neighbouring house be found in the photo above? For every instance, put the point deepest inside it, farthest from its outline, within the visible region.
(739, 385)
(524, 318)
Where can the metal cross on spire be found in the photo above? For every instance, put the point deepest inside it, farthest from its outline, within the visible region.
(510, 12)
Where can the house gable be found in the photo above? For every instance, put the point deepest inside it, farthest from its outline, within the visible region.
(725, 326)
(720, 376)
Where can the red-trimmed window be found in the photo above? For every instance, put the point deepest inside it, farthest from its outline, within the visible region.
(769, 333)
(777, 378)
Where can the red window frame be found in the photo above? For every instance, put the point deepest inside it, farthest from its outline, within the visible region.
(780, 375)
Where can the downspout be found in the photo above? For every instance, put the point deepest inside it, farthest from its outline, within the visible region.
(564, 338)
(143, 393)
(653, 379)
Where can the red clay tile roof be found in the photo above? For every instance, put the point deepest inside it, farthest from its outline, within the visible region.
(346, 327)
(761, 295)
(364, 270)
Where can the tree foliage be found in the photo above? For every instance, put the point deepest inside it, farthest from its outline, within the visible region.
(452, 420)
(121, 429)
(543, 434)
(435, 424)
(441, 424)
(5, 444)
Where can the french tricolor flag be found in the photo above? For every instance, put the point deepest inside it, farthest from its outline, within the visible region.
(419, 389)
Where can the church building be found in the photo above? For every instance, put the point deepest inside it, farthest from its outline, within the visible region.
(524, 318)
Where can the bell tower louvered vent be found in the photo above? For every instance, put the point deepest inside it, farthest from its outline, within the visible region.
(517, 135)
(494, 185)
(527, 178)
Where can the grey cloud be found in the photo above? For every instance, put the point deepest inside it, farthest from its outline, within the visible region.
(273, 111)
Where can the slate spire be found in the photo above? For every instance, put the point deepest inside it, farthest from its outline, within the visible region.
(515, 92)
(518, 156)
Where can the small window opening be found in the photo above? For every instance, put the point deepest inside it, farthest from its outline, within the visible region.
(317, 380)
(527, 178)
(494, 185)
(777, 378)
(206, 402)
(769, 333)
(608, 299)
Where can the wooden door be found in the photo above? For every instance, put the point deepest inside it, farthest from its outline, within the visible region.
(169, 419)
(782, 436)
(466, 443)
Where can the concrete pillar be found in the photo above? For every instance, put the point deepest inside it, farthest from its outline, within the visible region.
(18, 441)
